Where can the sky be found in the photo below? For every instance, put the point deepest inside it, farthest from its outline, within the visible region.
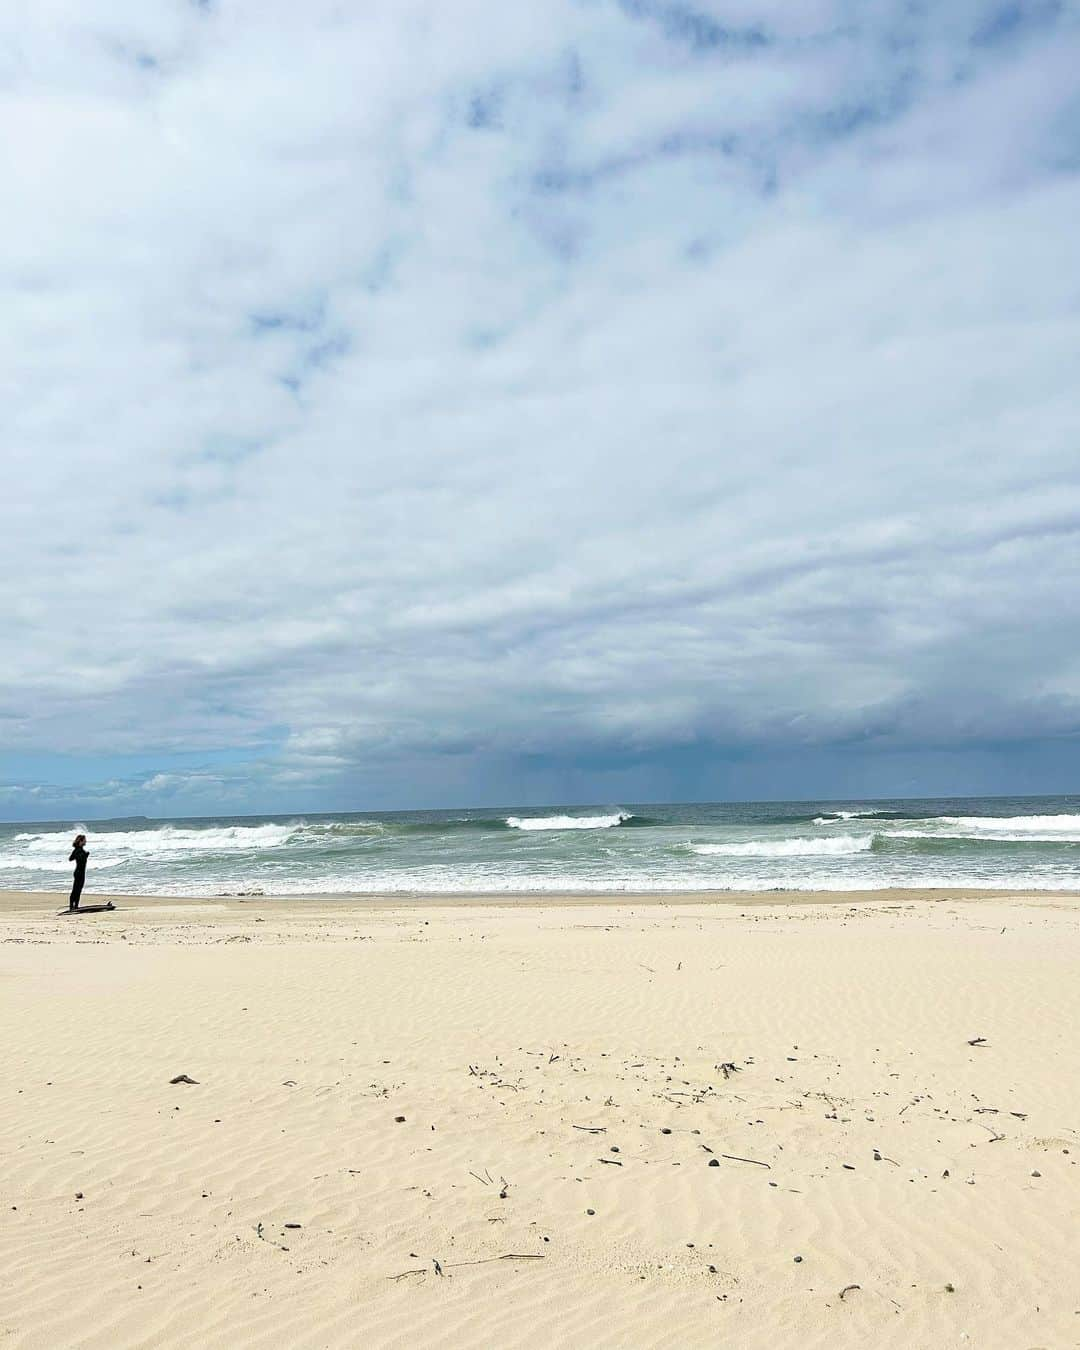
(415, 403)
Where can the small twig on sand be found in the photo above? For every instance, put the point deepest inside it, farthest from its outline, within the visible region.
(591, 1129)
(734, 1157)
(455, 1265)
(506, 1256)
(848, 1288)
(995, 1135)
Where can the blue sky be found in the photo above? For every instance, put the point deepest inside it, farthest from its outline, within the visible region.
(418, 404)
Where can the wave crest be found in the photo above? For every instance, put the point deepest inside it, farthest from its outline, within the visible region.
(569, 822)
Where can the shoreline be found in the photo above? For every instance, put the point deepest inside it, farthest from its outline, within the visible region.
(27, 902)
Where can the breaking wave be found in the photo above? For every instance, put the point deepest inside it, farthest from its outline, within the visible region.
(837, 846)
(842, 817)
(975, 830)
(1055, 826)
(569, 822)
(112, 847)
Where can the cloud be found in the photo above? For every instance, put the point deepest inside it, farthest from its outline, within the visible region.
(422, 385)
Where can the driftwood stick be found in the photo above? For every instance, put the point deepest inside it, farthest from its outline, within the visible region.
(734, 1157)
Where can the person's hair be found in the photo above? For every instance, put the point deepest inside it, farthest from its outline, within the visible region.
(79, 839)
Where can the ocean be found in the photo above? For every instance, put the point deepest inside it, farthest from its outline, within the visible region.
(974, 842)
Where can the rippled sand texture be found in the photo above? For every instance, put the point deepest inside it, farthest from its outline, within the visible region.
(574, 1165)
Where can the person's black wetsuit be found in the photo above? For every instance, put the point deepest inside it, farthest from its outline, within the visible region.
(78, 857)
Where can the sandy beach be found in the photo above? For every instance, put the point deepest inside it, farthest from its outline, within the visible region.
(756, 1121)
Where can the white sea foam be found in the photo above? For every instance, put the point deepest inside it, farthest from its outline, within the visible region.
(568, 822)
(995, 829)
(19, 862)
(837, 846)
(345, 829)
(169, 841)
(1063, 824)
(467, 883)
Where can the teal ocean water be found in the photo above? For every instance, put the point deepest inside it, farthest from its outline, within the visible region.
(851, 845)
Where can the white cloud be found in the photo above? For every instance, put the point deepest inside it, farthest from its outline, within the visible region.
(485, 380)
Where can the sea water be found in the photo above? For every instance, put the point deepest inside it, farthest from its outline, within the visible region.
(981, 842)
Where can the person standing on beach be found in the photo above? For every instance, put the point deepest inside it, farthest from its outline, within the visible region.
(78, 856)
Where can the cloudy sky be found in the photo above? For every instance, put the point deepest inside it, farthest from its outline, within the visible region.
(430, 402)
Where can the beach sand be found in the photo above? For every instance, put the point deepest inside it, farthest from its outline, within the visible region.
(505, 1124)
